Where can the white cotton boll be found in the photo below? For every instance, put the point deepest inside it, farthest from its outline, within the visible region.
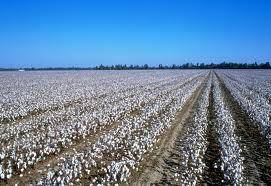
(8, 176)
(2, 156)
(2, 175)
(88, 171)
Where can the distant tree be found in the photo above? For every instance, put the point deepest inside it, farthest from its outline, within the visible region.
(145, 66)
(174, 66)
(266, 65)
(101, 67)
(202, 66)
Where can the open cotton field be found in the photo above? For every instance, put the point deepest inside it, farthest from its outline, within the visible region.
(135, 127)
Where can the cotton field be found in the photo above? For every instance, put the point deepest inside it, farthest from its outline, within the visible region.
(137, 127)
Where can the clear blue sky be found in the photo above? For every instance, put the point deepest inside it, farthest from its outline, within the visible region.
(43, 33)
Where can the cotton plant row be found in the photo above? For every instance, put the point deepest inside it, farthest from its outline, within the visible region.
(115, 154)
(192, 144)
(54, 131)
(231, 159)
(23, 93)
(257, 106)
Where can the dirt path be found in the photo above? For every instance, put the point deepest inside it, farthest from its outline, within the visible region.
(212, 174)
(254, 145)
(153, 170)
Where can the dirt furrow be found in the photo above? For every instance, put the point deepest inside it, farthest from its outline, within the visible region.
(254, 145)
(212, 174)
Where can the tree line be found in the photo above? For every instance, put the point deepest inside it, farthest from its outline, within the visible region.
(223, 65)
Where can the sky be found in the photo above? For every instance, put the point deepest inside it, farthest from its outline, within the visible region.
(85, 33)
